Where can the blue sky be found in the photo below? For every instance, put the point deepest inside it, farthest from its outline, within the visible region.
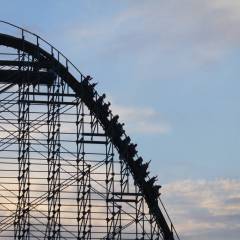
(171, 70)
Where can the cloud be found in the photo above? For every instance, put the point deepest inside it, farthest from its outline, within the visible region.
(204, 208)
(144, 120)
(200, 30)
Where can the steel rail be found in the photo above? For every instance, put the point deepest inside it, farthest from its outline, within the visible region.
(76, 84)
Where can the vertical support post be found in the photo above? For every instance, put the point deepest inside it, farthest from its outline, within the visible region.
(83, 180)
(22, 216)
(124, 177)
(113, 211)
(155, 231)
(109, 184)
(139, 221)
(54, 165)
(124, 182)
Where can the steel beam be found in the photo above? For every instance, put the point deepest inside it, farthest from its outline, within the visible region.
(33, 77)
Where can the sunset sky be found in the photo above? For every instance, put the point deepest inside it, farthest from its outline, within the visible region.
(171, 71)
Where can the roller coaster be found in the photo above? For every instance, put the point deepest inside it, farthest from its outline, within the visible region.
(68, 169)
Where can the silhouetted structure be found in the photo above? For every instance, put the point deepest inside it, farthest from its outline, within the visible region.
(68, 169)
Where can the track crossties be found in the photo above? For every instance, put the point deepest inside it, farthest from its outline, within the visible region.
(68, 168)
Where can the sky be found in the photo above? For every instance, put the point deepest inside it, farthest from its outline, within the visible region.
(171, 71)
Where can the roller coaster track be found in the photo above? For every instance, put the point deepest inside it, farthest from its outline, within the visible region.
(57, 66)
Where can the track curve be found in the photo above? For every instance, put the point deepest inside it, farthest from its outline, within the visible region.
(86, 91)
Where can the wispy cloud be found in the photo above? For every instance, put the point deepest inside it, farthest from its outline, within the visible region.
(200, 30)
(144, 120)
(204, 208)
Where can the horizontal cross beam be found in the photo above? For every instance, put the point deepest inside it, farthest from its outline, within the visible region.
(30, 77)
(12, 63)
